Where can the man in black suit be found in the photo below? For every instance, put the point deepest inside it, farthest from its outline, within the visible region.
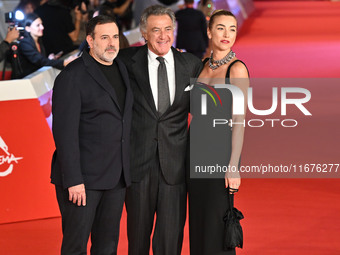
(92, 110)
(158, 75)
(192, 30)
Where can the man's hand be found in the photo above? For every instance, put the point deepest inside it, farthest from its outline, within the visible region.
(12, 34)
(77, 194)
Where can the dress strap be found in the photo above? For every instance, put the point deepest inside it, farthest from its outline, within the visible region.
(205, 61)
(231, 64)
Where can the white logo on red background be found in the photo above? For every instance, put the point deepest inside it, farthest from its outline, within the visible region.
(6, 159)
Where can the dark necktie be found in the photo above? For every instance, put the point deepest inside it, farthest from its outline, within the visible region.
(163, 87)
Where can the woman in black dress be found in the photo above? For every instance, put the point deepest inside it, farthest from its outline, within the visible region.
(212, 146)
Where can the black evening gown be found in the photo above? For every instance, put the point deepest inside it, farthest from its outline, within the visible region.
(208, 197)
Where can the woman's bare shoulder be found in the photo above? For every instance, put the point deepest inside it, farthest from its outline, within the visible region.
(239, 69)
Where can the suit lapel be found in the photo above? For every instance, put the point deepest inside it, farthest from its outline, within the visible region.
(125, 76)
(93, 69)
(141, 73)
(181, 76)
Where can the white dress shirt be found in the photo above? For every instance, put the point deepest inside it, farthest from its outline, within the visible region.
(153, 64)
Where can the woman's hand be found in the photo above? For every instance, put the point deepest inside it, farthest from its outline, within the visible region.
(232, 180)
(51, 56)
(69, 60)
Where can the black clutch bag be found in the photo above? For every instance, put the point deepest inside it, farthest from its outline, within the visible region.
(233, 234)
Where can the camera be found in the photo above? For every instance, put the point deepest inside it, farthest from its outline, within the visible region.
(15, 19)
(78, 3)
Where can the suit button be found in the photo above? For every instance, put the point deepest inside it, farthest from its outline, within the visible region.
(156, 139)
(122, 140)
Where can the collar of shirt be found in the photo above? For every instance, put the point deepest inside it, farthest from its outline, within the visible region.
(169, 58)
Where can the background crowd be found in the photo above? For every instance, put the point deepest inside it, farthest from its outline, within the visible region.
(60, 29)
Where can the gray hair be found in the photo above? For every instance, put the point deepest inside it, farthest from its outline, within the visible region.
(156, 10)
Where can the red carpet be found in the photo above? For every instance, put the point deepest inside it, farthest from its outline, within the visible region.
(292, 39)
(282, 216)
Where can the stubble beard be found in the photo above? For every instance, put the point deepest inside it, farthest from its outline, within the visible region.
(106, 56)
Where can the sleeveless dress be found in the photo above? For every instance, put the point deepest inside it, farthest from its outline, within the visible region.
(208, 197)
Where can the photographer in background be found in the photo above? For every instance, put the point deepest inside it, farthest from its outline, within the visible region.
(12, 35)
(119, 8)
(60, 31)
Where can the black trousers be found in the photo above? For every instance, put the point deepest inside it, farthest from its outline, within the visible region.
(145, 199)
(100, 217)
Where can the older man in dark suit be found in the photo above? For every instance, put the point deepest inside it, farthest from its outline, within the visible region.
(92, 110)
(158, 75)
